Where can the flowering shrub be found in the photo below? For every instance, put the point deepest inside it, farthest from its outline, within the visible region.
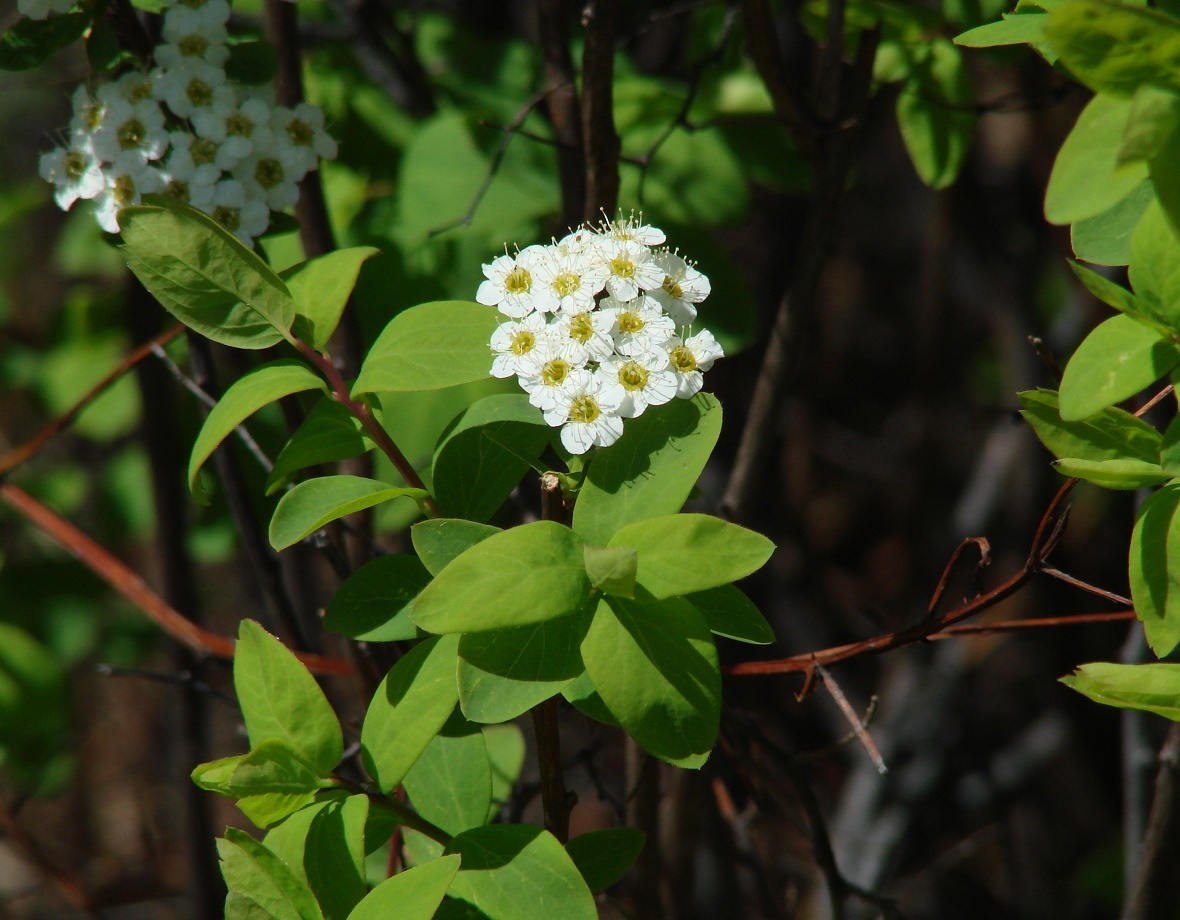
(599, 328)
(184, 129)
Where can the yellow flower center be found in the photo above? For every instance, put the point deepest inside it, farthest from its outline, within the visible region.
(632, 376)
(683, 360)
(554, 372)
(199, 92)
(581, 328)
(301, 133)
(518, 281)
(269, 172)
(622, 266)
(523, 342)
(230, 218)
(203, 150)
(92, 117)
(674, 290)
(566, 283)
(131, 133)
(124, 190)
(630, 322)
(584, 409)
(239, 125)
(193, 45)
(140, 91)
(178, 189)
(75, 165)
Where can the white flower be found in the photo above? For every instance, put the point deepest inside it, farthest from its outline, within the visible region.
(588, 413)
(75, 173)
(573, 278)
(87, 118)
(690, 358)
(646, 380)
(195, 86)
(271, 178)
(128, 179)
(130, 128)
(135, 86)
(584, 239)
(631, 268)
(632, 228)
(241, 131)
(40, 9)
(304, 130)
(246, 218)
(588, 333)
(514, 341)
(639, 325)
(511, 288)
(683, 287)
(196, 15)
(188, 190)
(548, 372)
(193, 158)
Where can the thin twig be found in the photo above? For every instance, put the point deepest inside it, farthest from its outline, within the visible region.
(1156, 887)
(1086, 586)
(858, 727)
(129, 584)
(985, 559)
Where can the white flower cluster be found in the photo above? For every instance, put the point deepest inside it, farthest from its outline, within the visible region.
(183, 129)
(598, 328)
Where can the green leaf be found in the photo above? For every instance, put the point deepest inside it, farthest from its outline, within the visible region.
(528, 574)
(414, 894)
(506, 750)
(1014, 29)
(412, 703)
(612, 569)
(31, 41)
(280, 699)
(684, 553)
(656, 668)
(650, 470)
(1122, 473)
(215, 775)
(1105, 239)
(485, 453)
(440, 540)
(1149, 687)
(1112, 294)
(1154, 272)
(1165, 179)
(604, 856)
(273, 782)
(329, 433)
(240, 907)
(451, 783)
(728, 612)
(508, 870)
(1155, 114)
(316, 502)
(1111, 434)
(1170, 448)
(252, 62)
(1087, 178)
(204, 276)
(1114, 48)
(430, 346)
(334, 856)
(373, 604)
(259, 387)
(256, 874)
(505, 672)
(1154, 575)
(935, 113)
(321, 288)
(1114, 362)
(582, 695)
(102, 45)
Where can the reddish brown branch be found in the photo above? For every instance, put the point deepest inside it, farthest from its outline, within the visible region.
(128, 583)
(858, 727)
(985, 559)
(1075, 619)
(19, 455)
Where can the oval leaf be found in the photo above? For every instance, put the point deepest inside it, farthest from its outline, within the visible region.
(260, 387)
(373, 604)
(1149, 687)
(450, 785)
(1123, 473)
(316, 502)
(528, 574)
(728, 612)
(1111, 434)
(414, 894)
(321, 288)
(430, 346)
(330, 433)
(603, 857)
(253, 872)
(440, 540)
(1154, 575)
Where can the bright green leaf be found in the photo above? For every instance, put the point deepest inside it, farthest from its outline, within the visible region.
(204, 276)
(1105, 239)
(612, 569)
(1155, 114)
(257, 388)
(328, 434)
(509, 870)
(1113, 47)
(409, 708)
(728, 612)
(272, 782)
(215, 775)
(255, 873)
(655, 666)
(1149, 687)
(582, 695)
(321, 288)
(414, 894)
(604, 856)
(528, 574)
(440, 540)
(1122, 473)
(334, 856)
(450, 785)
(650, 470)
(373, 604)
(936, 115)
(1154, 575)
(506, 750)
(684, 553)
(1114, 362)
(1013, 29)
(1111, 434)
(317, 502)
(430, 346)
(1154, 270)
(280, 699)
